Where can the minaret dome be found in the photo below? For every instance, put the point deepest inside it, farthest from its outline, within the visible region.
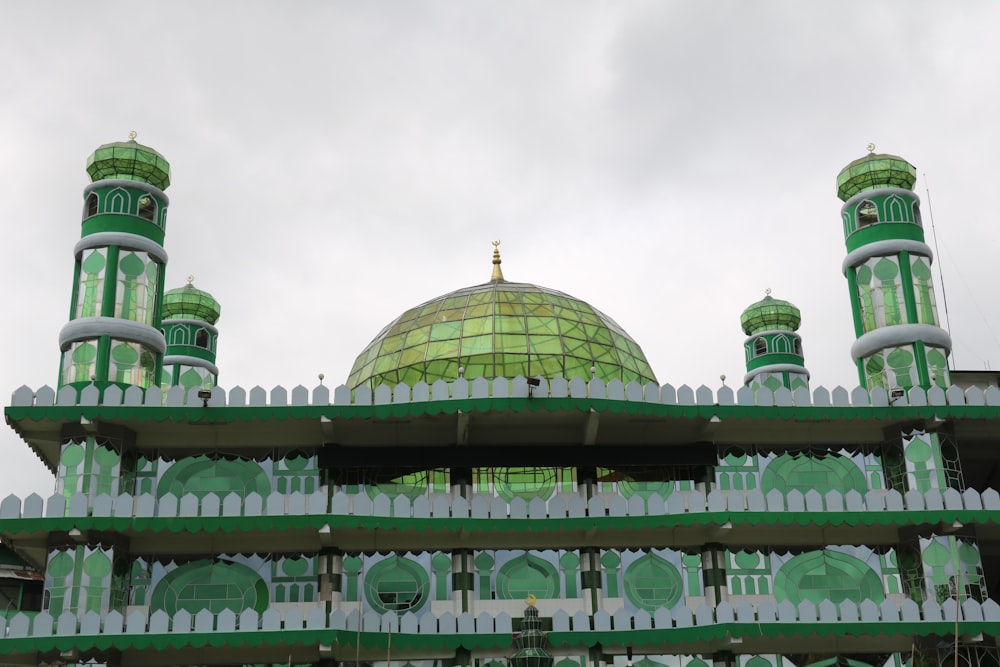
(773, 349)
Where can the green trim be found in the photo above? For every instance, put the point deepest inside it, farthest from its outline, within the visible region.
(103, 357)
(852, 284)
(110, 282)
(349, 639)
(714, 578)
(771, 358)
(590, 579)
(309, 524)
(920, 359)
(884, 231)
(77, 268)
(125, 223)
(906, 276)
(463, 581)
(191, 351)
(890, 415)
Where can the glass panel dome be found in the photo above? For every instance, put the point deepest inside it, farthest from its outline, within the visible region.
(497, 329)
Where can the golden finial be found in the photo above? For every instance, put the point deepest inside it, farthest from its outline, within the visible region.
(871, 148)
(497, 273)
(530, 600)
(132, 135)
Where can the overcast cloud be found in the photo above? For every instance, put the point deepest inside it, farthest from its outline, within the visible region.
(336, 163)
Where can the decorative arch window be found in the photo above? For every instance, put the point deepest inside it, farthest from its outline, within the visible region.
(118, 201)
(213, 584)
(781, 344)
(527, 574)
(849, 226)
(178, 336)
(525, 482)
(867, 213)
(90, 207)
(916, 214)
(201, 475)
(759, 347)
(827, 575)
(147, 208)
(398, 585)
(896, 210)
(804, 473)
(201, 339)
(651, 583)
(797, 347)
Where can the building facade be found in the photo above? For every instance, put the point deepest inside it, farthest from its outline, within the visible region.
(502, 480)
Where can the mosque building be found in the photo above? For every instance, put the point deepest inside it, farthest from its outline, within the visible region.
(502, 480)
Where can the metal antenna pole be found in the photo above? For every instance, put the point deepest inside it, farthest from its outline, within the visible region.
(944, 294)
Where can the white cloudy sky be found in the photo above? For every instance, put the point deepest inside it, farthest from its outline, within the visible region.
(335, 163)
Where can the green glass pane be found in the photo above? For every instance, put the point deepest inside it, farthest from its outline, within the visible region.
(510, 324)
(417, 336)
(515, 343)
(412, 355)
(124, 354)
(455, 302)
(477, 345)
(479, 311)
(477, 326)
(393, 344)
(442, 349)
(451, 315)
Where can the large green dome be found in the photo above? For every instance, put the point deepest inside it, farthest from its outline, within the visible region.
(498, 329)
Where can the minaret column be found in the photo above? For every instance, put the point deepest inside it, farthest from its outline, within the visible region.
(900, 343)
(189, 317)
(113, 334)
(773, 349)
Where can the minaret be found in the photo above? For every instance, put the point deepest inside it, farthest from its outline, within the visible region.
(531, 640)
(189, 317)
(113, 333)
(773, 348)
(888, 267)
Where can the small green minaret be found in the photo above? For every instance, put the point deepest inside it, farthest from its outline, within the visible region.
(773, 348)
(888, 267)
(189, 317)
(113, 334)
(531, 640)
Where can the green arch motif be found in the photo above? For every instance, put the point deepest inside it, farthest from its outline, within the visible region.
(201, 475)
(215, 585)
(412, 485)
(630, 487)
(527, 574)
(396, 584)
(524, 482)
(646, 662)
(651, 582)
(838, 661)
(60, 565)
(827, 575)
(828, 473)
